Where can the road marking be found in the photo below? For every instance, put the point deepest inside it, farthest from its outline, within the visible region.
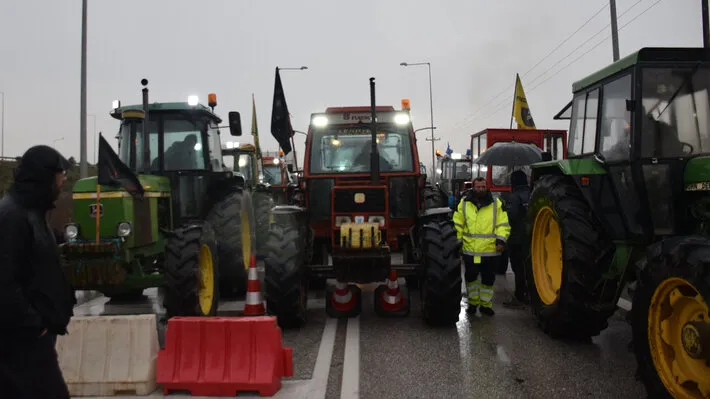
(319, 379)
(350, 385)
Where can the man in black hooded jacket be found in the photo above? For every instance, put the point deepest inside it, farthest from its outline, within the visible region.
(516, 207)
(36, 300)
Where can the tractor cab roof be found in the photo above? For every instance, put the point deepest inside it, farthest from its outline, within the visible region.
(168, 107)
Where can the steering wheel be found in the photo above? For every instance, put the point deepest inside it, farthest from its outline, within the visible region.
(685, 145)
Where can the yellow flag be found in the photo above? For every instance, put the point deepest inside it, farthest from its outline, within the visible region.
(521, 111)
(254, 128)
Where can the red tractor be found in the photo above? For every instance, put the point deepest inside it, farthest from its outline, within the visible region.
(366, 210)
(277, 174)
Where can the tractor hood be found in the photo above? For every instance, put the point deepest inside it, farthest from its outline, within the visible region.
(696, 176)
(150, 183)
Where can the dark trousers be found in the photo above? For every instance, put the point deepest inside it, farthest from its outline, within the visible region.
(480, 290)
(29, 369)
(517, 262)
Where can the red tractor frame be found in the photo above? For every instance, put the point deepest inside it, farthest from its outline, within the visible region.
(404, 224)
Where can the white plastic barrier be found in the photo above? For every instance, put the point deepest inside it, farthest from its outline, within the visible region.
(109, 355)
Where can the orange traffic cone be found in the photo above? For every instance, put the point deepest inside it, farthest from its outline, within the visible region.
(254, 304)
(391, 299)
(344, 301)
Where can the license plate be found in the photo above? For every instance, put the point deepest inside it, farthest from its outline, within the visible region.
(359, 219)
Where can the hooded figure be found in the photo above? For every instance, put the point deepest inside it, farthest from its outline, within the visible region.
(517, 208)
(34, 293)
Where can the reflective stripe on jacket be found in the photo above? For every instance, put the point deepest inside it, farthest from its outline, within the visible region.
(480, 228)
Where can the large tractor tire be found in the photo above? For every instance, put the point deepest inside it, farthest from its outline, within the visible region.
(432, 197)
(671, 318)
(263, 202)
(563, 268)
(191, 272)
(233, 221)
(285, 280)
(441, 285)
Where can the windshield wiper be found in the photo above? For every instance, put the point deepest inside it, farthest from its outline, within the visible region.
(687, 79)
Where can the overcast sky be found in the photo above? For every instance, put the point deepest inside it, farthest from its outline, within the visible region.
(232, 47)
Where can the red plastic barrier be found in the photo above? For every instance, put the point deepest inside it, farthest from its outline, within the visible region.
(220, 356)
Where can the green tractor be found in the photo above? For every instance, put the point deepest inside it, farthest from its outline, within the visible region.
(243, 161)
(190, 233)
(624, 221)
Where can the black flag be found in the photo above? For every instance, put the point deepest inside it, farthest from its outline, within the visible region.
(280, 120)
(114, 173)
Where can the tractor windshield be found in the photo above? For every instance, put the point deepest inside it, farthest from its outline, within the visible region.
(676, 111)
(183, 142)
(272, 175)
(347, 150)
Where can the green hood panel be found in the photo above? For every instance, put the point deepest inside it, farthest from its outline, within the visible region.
(577, 166)
(697, 170)
(151, 183)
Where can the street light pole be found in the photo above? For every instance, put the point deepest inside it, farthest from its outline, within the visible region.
(431, 113)
(614, 30)
(706, 24)
(83, 167)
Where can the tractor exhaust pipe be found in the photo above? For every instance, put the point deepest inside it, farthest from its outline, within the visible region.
(374, 153)
(146, 119)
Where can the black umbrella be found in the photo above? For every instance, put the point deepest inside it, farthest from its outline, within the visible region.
(510, 154)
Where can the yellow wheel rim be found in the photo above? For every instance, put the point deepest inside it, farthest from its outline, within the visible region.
(546, 254)
(675, 303)
(206, 291)
(246, 239)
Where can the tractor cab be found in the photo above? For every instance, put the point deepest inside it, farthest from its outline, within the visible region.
(241, 159)
(453, 170)
(498, 177)
(181, 142)
(645, 120)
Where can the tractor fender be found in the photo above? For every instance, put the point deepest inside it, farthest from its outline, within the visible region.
(431, 212)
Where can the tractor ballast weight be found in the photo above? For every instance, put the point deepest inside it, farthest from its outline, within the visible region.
(364, 209)
(179, 236)
(624, 220)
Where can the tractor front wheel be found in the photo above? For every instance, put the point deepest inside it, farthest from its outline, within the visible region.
(263, 203)
(191, 271)
(285, 280)
(563, 268)
(671, 318)
(441, 283)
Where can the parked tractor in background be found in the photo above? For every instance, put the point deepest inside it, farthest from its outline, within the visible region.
(453, 171)
(497, 177)
(362, 217)
(278, 175)
(181, 235)
(625, 219)
(243, 160)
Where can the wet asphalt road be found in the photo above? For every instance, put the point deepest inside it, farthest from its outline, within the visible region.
(504, 356)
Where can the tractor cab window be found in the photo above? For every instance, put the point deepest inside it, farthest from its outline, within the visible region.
(553, 144)
(615, 138)
(183, 145)
(134, 128)
(347, 150)
(583, 123)
(215, 147)
(462, 170)
(448, 169)
(245, 166)
(272, 174)
(676, 112)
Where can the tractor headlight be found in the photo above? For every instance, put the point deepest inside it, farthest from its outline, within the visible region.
(71, 231)
(377, 219)
(124, 229)
(342, 219)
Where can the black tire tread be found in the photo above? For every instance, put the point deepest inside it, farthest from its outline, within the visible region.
(284, 275)
(687, 257)
(182, 273)
(225, 219)
(263, 203)
(573, 314)
(442, 274)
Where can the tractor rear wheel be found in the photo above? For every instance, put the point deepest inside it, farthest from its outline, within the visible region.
(671, 318)
(233, 221)
(563, 267)
(285, 280)
(441, 285)
(263, 202)
(191, 272)
(432, 197)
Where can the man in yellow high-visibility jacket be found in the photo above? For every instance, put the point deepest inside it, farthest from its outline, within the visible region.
(482, 224)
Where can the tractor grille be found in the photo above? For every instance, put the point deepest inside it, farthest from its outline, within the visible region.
(346, 200)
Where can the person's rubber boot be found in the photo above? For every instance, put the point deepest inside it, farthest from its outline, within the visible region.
(514, 303)
(487, 311)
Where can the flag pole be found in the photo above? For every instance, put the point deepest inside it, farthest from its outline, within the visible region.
(512, 111)
(98, 211)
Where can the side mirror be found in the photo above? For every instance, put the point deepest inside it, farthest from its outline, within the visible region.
(290, 168)
(235, 123)
(546, 156)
